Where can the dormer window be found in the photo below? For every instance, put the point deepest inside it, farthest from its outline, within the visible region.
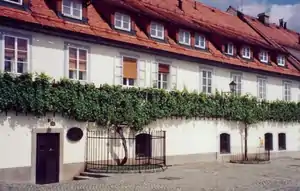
(281, 60)
(184, 37)
(200, 41)
(229, 49)
(263, 56)
(157, 30)
(246, 52)
(72, 8)
(19, 2)
(122, 22)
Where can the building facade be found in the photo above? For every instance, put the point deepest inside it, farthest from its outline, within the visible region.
(180, 45)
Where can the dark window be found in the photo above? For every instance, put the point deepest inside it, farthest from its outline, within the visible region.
(224, 143)
(143, 145)
(269, 141)
(281, 141)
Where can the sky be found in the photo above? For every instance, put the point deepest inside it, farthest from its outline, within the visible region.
(289, 10)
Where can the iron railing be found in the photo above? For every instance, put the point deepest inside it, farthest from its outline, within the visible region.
(260, 156)
(107, 151)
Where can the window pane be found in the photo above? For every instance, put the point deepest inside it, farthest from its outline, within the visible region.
(131, 82)
(9, 42)
(20, 67)
(126, 25)
(77, 5)
(208, 89)
(76, 13)
(9, 54)
(73, 53)
(72, 74)
(165, 85)
(153, 32)
(67, 3)
(124, 81)
(118, 23)
(67, 10)
(82, 54)
(82, 75)
(22, 44)
(159, 34)
(8, 66)
(181, 37)
(165, 77)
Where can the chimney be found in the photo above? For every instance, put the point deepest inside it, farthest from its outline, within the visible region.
(281, 22)
(284, 25)
(263, 18)
(180, 4)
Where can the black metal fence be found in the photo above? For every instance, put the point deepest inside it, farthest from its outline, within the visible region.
(257, 157)
(108, 151)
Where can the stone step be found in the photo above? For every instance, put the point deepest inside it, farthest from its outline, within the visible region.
(93, 174)
(84, 178)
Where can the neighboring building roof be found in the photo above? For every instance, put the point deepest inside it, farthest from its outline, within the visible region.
(202, 16)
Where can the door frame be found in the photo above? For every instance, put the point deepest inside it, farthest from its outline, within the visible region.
(34, 133)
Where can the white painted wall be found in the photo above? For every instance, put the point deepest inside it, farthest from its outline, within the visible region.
(48, 55)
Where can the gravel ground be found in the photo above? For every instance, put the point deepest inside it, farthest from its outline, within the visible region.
(279, 175)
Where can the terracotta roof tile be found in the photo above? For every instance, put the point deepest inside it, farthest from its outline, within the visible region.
(204, 17)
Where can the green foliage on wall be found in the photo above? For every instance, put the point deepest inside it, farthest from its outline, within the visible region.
(114, 105)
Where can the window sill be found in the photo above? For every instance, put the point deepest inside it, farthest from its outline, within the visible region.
(132, 32)
(22, 7)
(83, 20)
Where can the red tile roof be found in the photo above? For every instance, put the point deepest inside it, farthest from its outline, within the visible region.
(203, 18)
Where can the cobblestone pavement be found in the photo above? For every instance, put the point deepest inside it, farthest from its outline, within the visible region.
(279, 175)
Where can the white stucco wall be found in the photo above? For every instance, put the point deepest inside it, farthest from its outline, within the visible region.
(48, 55)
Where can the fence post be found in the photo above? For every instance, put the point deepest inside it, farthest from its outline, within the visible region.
(164, 148)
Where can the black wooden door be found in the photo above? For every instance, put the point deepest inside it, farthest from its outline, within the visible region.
(47, 158)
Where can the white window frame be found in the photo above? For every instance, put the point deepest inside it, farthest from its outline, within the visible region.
(122, 21)
(198, 41)
(264, 56)
(156, 26)
(183, 32)
(239, 85)
(15, 62)
(77, 63)
(72, 9)
(261, 88)
(281, 60)
(161, 81)
(232, 49)
(135, 81)
(206, 85)
(244, 52)
(287, 89)
(18, 3)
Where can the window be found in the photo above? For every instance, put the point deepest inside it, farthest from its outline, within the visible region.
(281, 141)
(263, 56)
(237, 78)
(261, 88)
(246, 52)
(157, 30)
(163, 76)
(19, 2)
(206, 81)
(200, 41)
(122, 22)
(184, 37)
(129, 71)
(224, 143)
(269, 141)
(229, 49)
(287, 86)
(72, 8)
(77, 63)
(143, 145)
(281, 60)
(15, 54)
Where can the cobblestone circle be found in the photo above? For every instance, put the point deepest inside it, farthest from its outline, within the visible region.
(279, 175)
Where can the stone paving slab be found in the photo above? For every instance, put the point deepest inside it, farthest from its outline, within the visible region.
(281, 174)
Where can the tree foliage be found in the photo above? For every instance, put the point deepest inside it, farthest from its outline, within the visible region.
(114, 105)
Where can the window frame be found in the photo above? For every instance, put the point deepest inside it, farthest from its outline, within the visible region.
(225, 138)
(71, 15)
(202, 85)
(238, 91)
(122, 21)
(77, 62)
(262, 56)
(244, 48)
(15, 61)
(282, 59)
(17, 3)
(156, 30)
(281, 147)
(289, 90)
(259, 87)
(232, 46)
(135, 81)
(182, 31)
(199, 37)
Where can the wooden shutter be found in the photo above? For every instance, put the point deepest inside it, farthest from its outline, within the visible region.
(173, 77)
(142, 73)
(130, 68)
(118, 72)
(154, 74)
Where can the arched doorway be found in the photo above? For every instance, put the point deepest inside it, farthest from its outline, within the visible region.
(281, 141)
(224, 143)
(269, 141)
(143, 145)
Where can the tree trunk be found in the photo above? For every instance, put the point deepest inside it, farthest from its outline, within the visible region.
(124, 143)
(246, 142)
